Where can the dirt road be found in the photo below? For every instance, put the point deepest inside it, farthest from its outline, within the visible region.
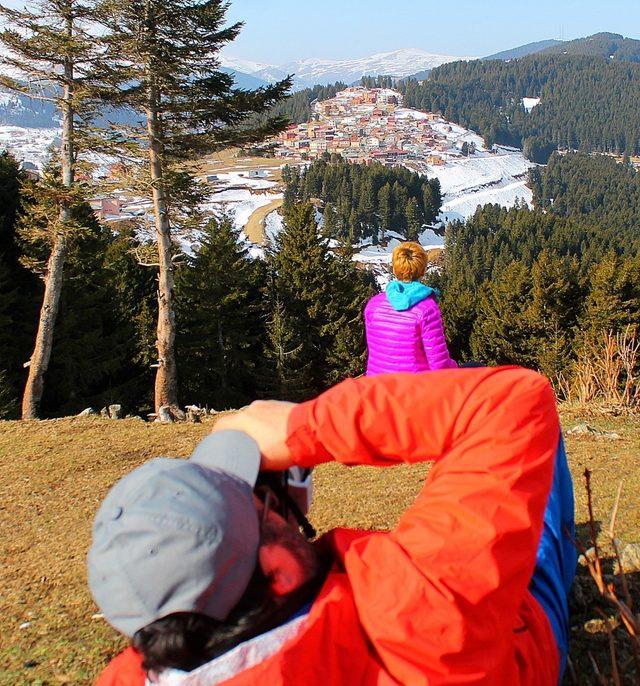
(254, 228)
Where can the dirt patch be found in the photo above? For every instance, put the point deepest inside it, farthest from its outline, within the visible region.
(55, 473)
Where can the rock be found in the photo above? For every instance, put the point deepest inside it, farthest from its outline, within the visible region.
(177, 414)
(629, 559)
(599, 626)
(25, 625)
(194, 413)
(164, 414)
(87, 412)
(193, 416)
(104, 413)
(115, 411)
(585, 429)
(590, 554)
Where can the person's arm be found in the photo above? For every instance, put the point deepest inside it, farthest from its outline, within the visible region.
(439, 596)
(434, 342)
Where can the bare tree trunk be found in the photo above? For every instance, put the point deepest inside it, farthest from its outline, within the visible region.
(39, 362)
(166, 387)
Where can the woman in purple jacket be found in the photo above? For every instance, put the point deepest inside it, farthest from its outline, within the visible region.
(403, 325)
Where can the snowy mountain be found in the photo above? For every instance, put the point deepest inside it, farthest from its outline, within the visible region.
(309, 72)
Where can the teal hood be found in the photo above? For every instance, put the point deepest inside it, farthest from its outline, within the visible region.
(403, 295)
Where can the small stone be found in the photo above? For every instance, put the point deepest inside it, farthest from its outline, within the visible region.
(25, 625)
(87, 412)
(590, 554)
(585, 429)
(115, 411)
(104, 413)
(164, 414)
(193, 417)
(97, 615)
(629, 559)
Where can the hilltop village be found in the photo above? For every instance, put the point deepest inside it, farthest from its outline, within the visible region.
(371, 124)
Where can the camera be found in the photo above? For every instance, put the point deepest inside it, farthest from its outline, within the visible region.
(290, 494)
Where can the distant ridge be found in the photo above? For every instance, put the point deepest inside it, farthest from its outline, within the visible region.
(524, 50)
(245, 81)
(309, 72)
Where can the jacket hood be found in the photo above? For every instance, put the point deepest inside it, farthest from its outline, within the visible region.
(403, 295)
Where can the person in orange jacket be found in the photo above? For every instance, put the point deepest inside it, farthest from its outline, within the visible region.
(470, 587)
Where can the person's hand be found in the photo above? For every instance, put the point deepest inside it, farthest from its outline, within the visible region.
(266, 422)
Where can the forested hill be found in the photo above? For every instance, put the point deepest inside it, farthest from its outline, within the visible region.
(610, 46)
(586, 103)
(592, 186)
(541, 286)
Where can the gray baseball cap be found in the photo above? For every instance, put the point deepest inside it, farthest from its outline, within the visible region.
(178, 535)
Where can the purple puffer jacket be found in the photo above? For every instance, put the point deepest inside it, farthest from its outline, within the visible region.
(410, 340)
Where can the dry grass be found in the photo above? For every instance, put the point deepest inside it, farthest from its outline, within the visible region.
(55, 473)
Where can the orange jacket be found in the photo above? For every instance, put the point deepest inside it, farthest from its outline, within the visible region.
(443, 598)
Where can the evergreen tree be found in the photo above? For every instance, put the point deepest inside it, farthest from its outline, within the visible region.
(91, 358)
(19, 289)
(552, 313)
(613, 300)
(286, 373)
(219, 314)
(51, 49)
(385, 210)
(414, 220)
(352, 287)
(316, 329)
(134, 296)
(301, 263)
(161, 61)
(7, 399)
(502, 333)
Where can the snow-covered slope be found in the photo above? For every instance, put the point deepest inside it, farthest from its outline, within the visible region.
(310, 72)
(396, 63)
(245, 66)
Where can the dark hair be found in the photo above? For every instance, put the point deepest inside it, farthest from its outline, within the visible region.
(187, 640)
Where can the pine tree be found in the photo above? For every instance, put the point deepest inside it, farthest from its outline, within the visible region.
(51, 51)
(300, 263)
(133, 289)
(352, 287)
(286, 374)
(613, 300)
(91, 357)
(8, 302)
(553, 311)
(386, 212)
(502, 332)
(161, 61)
(19, 289)
(319, 298)
(414, 220)
(219, 312)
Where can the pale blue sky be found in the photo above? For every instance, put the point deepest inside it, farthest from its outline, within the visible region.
(278, 31)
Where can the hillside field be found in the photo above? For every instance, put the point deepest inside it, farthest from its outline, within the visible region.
(55, 473)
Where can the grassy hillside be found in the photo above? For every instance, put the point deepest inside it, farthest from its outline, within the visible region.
(54, 474)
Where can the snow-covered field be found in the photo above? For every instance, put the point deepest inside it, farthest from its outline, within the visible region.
(29, 145)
